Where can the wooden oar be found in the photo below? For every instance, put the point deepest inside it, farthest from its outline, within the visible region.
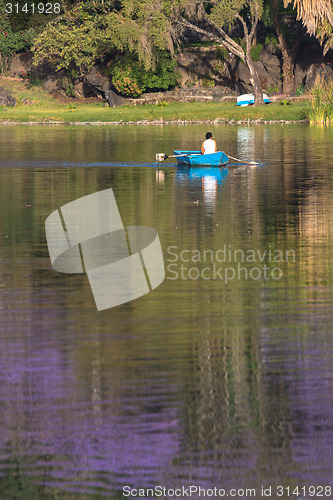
(163, 156)
(250, 162)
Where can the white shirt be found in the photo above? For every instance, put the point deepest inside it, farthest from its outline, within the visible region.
(209, 146)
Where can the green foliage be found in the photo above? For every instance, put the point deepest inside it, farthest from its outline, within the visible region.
(256, 51)
(94, 28)
(10, 43)
(321, 110)
(272, 41)
(128, 78)
(272, 89)
(203, 43)
(164, 76)
(189, 85)
(131, 79)
(324, 33)
(11, 40)
(18, 27)
(68, 85)
(31, 78)
(140, 27)
(224, 13)
(300, 90)
(162, 104)
(73, 47)
(207, 82)
(222, 53)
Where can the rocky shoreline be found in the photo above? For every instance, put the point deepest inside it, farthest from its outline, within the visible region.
(203, 77)
(217, 121)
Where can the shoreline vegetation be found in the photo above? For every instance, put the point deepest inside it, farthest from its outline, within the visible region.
(35, 106)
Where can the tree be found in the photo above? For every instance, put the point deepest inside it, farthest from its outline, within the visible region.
(130, 32)
(13, 37)
(317, 17)
(313, 12)
(217, 15)
(91, 29)
(289, 33)
(69, 46)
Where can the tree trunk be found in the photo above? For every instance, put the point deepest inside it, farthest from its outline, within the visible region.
(288, 53)
(235, 48)
(288, 74)
(254, 78)
(258, 95)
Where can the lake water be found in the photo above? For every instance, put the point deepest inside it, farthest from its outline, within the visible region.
(221, 377)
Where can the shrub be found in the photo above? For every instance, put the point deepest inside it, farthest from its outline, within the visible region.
(31, 79)
(300, 90)
(272, 41)
(321, 110)
(207, 82)
(128, 78)
(222, 53)
(272, 89)
(131, 79)
(10, 43)
(256, 51)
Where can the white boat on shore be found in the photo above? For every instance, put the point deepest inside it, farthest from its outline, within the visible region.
(246, 99)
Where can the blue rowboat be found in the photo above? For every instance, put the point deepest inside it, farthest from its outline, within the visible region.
(195, 158)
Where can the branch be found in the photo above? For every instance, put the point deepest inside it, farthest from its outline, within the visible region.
(246, 31)
(224, 39)
(254, 27)
(234, 47)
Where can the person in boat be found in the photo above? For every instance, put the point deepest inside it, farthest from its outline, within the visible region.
(209, 145)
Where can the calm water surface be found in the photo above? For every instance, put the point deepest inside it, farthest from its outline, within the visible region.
(222, 376)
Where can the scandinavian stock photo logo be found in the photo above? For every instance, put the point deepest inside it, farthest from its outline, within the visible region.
(87, 236)
(226, 264)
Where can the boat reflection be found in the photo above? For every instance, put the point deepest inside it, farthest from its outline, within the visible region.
(209, 175)
(208, 178)
(219, 174)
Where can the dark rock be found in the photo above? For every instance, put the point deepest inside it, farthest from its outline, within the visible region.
(272, 64)
(267, 78)
(6, 98)
(79, 89)
(99, 83)
(21, 63)
(196, 65)
(97, 80)
(300, 72)
(243, 88)
(318, 73)
(114, 99)
(53, 82)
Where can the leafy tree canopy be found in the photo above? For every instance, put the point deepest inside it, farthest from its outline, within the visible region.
(90, 29)
(317, 16)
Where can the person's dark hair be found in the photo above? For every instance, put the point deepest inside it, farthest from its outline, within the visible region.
(209, 135)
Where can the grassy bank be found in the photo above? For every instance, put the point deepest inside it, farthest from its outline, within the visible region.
(34, 105)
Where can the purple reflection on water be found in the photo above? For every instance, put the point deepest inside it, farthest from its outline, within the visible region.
(60, 423)
(301, 371)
